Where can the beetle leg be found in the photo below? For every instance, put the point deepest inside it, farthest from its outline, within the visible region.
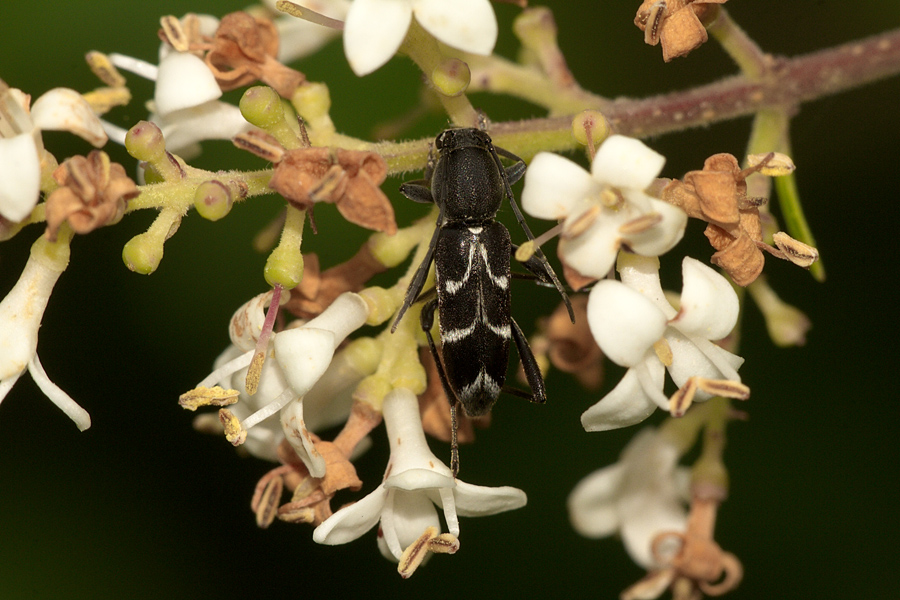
(418, 280)
(538, 253)
(530, 366)
(417, 191)
(427, 320)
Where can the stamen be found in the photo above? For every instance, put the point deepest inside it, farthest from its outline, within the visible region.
(301, 12)
(724, 387)
(204, 396)
(229, 368)
(174, 33)
(135, 65)
(269, 409)
(102, 67)
(262, 344)
(233, 431)
(581, 223)
(663, 352)
(654, 21)
(267, 506)
(797, 252)
(640, 224)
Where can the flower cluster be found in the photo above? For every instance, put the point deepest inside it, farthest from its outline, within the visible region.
(280, 386)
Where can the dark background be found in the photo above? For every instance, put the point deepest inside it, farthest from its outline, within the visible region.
(140, 506)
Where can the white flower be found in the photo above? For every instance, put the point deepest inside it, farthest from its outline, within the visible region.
(375, 29)
(636, 327)
(302, 361)
(186, 102)
(606, 208)
(639, 497)
(21, 147)
(415, 481)
(20, 318)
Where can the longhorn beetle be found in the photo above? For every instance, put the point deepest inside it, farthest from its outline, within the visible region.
(471, 253)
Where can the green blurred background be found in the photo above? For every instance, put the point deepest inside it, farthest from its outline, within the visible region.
(141, 506)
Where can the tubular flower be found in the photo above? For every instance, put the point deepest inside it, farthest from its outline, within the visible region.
(375, 29)
(21, 312)
(636, 327)
(302, 356)
(639, 497)
(605, 209)
(22, 154)
(404, 503)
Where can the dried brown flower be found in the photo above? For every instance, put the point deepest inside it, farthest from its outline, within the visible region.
(572, 348)
(244, 50)
(317, 290)
(311, 496)
(349, 179)
(94, 192)
(718, 195)
(677, 24)
(697, 566)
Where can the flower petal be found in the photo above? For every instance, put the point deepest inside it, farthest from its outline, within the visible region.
(709, 305)
(297, 435)
(184, 81)
(479, 501)
(626, 163)
(20, 176)
(623, 321)
(61, 399)
(350, 522)
(468, 25)
(183, 128)
(67, 110)
(373, 32)
(663, 236)
(554, 185)
(593, 252)
(627, 404)
(592, 508)
(405, 517)
(304, 354)
(698, 357)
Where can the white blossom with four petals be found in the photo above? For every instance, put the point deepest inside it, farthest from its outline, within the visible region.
(605, 209)
(375, 29)
(415, 482)
(302, 357)
(631, 318)
(639, 497)
(21, 312)
(21, 146)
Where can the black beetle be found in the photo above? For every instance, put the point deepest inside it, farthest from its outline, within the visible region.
(471, 253)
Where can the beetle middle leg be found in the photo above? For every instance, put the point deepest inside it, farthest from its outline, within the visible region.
(426, 319)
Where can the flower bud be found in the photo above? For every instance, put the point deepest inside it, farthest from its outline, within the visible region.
(212, 200)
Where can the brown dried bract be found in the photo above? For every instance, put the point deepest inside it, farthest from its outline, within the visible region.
(94, 192)
(572, 348)
(350, 179)
(679, 25)
(317, 290)
(718, 195)
(244, 50)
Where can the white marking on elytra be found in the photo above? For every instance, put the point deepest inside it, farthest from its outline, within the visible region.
(482, 381)
(455, 335)
(451, 286)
